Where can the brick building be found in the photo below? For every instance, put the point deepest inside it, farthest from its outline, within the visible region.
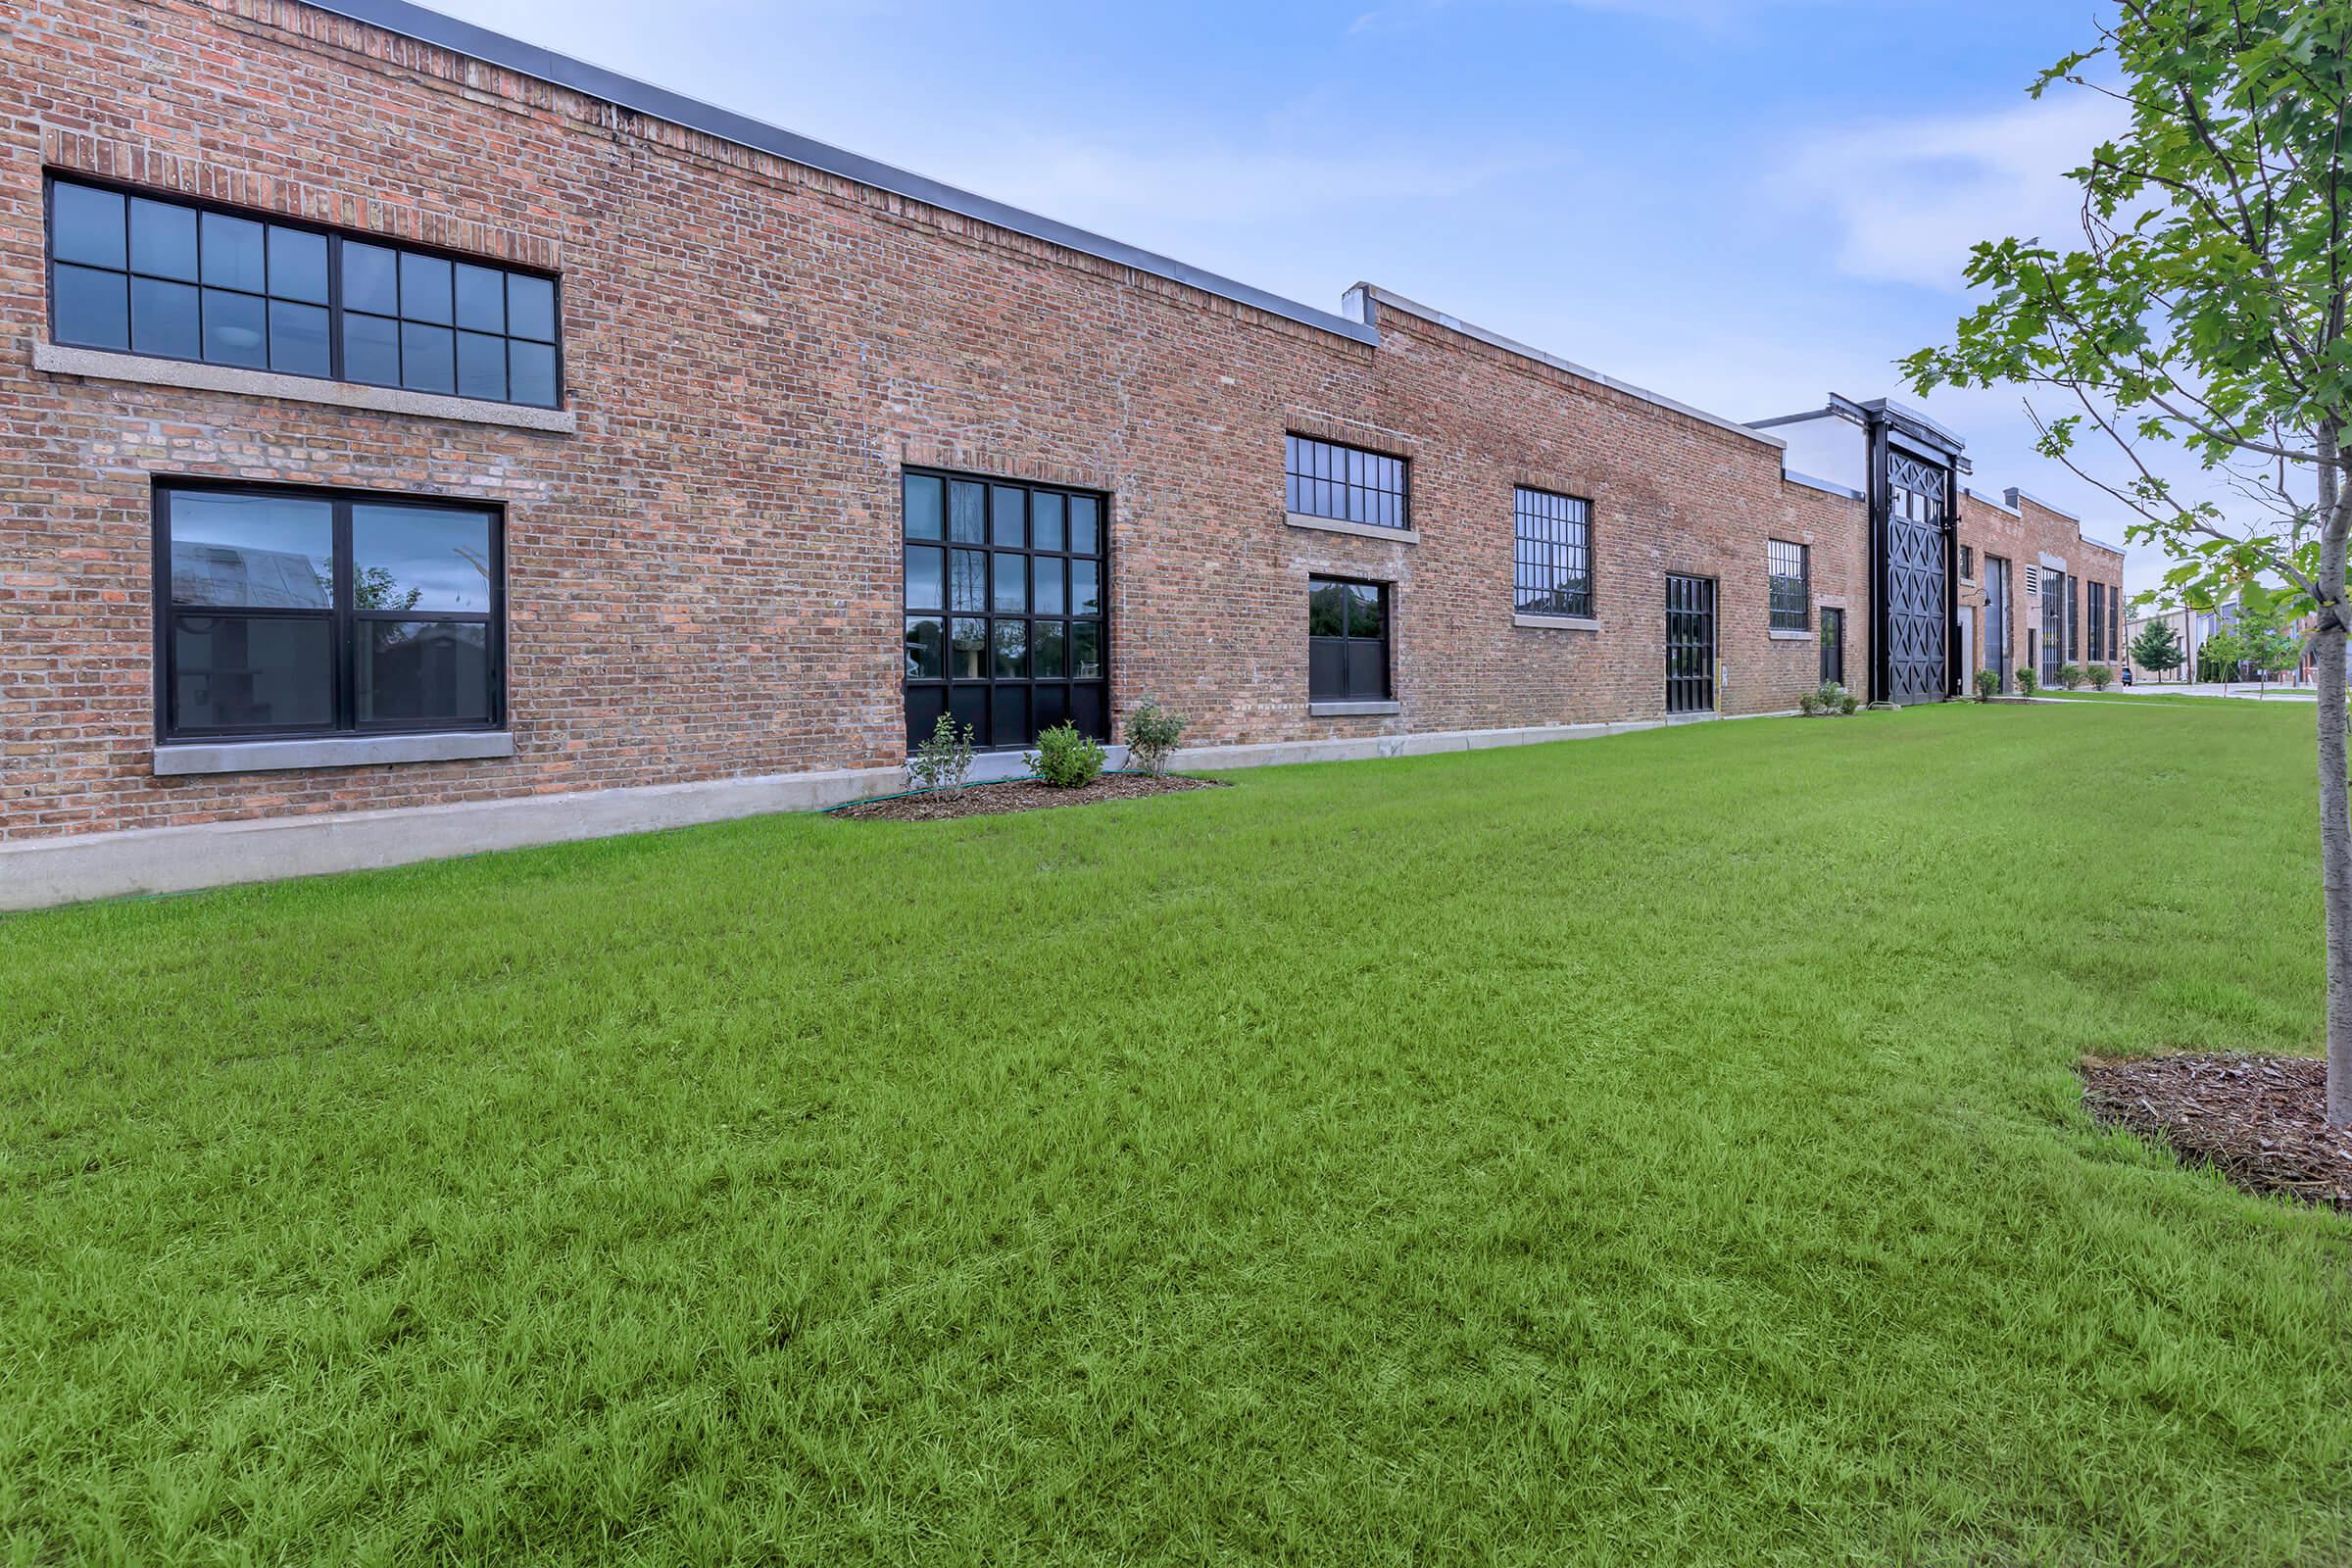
(420, 441)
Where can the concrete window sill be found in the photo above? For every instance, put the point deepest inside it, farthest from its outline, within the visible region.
(1350, 709)
(1790, 636)
(103, 365)
(1557, 622)
(181, 758)
(1361, 530)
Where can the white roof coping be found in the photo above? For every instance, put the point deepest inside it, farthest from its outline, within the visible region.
(1995, 502)
(2014, 494)
(1811, 483)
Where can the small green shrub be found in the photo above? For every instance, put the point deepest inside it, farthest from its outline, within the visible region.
(1065, 759)
(945, 761)
(2101, 677)
(2027, 683)
(1989, 685)
(1829, 701)
(1153, 732)
(2070, 676)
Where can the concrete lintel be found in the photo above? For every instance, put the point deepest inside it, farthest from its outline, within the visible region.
(104, 364)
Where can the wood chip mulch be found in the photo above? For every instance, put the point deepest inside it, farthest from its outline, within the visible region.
(1018, 794)
(2258, 1120)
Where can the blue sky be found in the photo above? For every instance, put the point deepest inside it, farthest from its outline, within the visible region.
(1743, 204)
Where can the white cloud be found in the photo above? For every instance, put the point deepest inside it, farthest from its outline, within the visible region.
(1910, 197)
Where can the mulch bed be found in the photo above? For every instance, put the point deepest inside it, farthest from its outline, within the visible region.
(1018, 794)
(2258, 1120)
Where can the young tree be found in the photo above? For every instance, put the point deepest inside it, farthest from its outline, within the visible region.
(2157, 647)
(2224, 652)
(2205, 311)
(2270, 645)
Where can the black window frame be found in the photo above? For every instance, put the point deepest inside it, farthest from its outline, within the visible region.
(2096, 593)
(1350, 646)
(988, 686)
(1547, 542)
(343, 617)
(1788, 596)
(333, 305)
(1329, 478)
(1968, 563)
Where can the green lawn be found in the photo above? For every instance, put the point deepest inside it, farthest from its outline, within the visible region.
(1654, 1150)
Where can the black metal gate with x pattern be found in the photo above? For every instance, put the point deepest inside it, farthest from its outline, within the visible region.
(1918, 616)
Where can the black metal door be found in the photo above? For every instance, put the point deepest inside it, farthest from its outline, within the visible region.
(1996, 618)
(1918, 617)
(1689, 644)
(1833, 647)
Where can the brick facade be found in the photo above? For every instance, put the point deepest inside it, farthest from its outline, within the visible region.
(703, 577)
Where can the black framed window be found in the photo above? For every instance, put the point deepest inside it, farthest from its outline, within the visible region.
(1791, 588)
(295, 611)
(1347, 484)
(2115, 599)
(1968, 563)
(2098, 619)
(1007, 604)
(1346, 640)
(1553, 554)
(2074, 618)
(181, 281)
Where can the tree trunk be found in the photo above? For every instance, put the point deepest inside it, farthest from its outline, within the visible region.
(2335, 808)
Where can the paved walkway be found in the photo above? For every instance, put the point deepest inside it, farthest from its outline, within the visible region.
(2276, 691)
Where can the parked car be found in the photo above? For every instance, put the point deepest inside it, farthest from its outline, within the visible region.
(2127, 674)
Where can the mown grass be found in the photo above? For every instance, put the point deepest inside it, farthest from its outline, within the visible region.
(1654, 1149)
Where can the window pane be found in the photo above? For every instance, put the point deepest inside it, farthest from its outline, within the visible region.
(531, 374)
(921, 492)
(252, 672)
(1045, 574)
(85, 225)
(419, 557)
(968, 580)
(371, 350)
(267, 551)
(370, 279)
(967, 706)
(925, 706)
(1086, 649)
(416, 670)
(925, 567)
(164, 319)
(297, 339)
(234, 325)
(1049, 648)
(1082, 526)
(966, 512)
(424, 289)
(481, 365)
(1326, 609)
(297, 265)
(1364, 610)
(1012, 517)
(162, 240)
(233, 253)
(1045, 521)
(1012, 584)
(482, 299)
(93, 308)
(428, 357)
(1011, 704)
(1049, 706)
(1011, 649)
(1326, 669)
(531, 308)
(1086, 590)
(1367, 671)
(968, 654)
(926, 648)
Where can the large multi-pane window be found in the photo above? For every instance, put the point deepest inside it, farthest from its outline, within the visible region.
(1346, 641)
(1553, 554)
(1348, 484)
(289, 612)
(147, 275)
(1005, 599)
(2115, 646)
(2097, 592)
(1791, 587)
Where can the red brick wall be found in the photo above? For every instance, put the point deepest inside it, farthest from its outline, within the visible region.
(2023, 539)
(704, 581)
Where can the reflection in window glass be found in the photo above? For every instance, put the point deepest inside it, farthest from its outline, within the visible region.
(413, 671)
(251, 549)
(420, 557)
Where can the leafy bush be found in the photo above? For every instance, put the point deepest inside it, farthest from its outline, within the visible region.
(2101, 677)
(1065, 759)
(945, 761)
(2027, 683)
(1831, 701)
(1989, 685)
(1153, 732)
(2070, 676)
